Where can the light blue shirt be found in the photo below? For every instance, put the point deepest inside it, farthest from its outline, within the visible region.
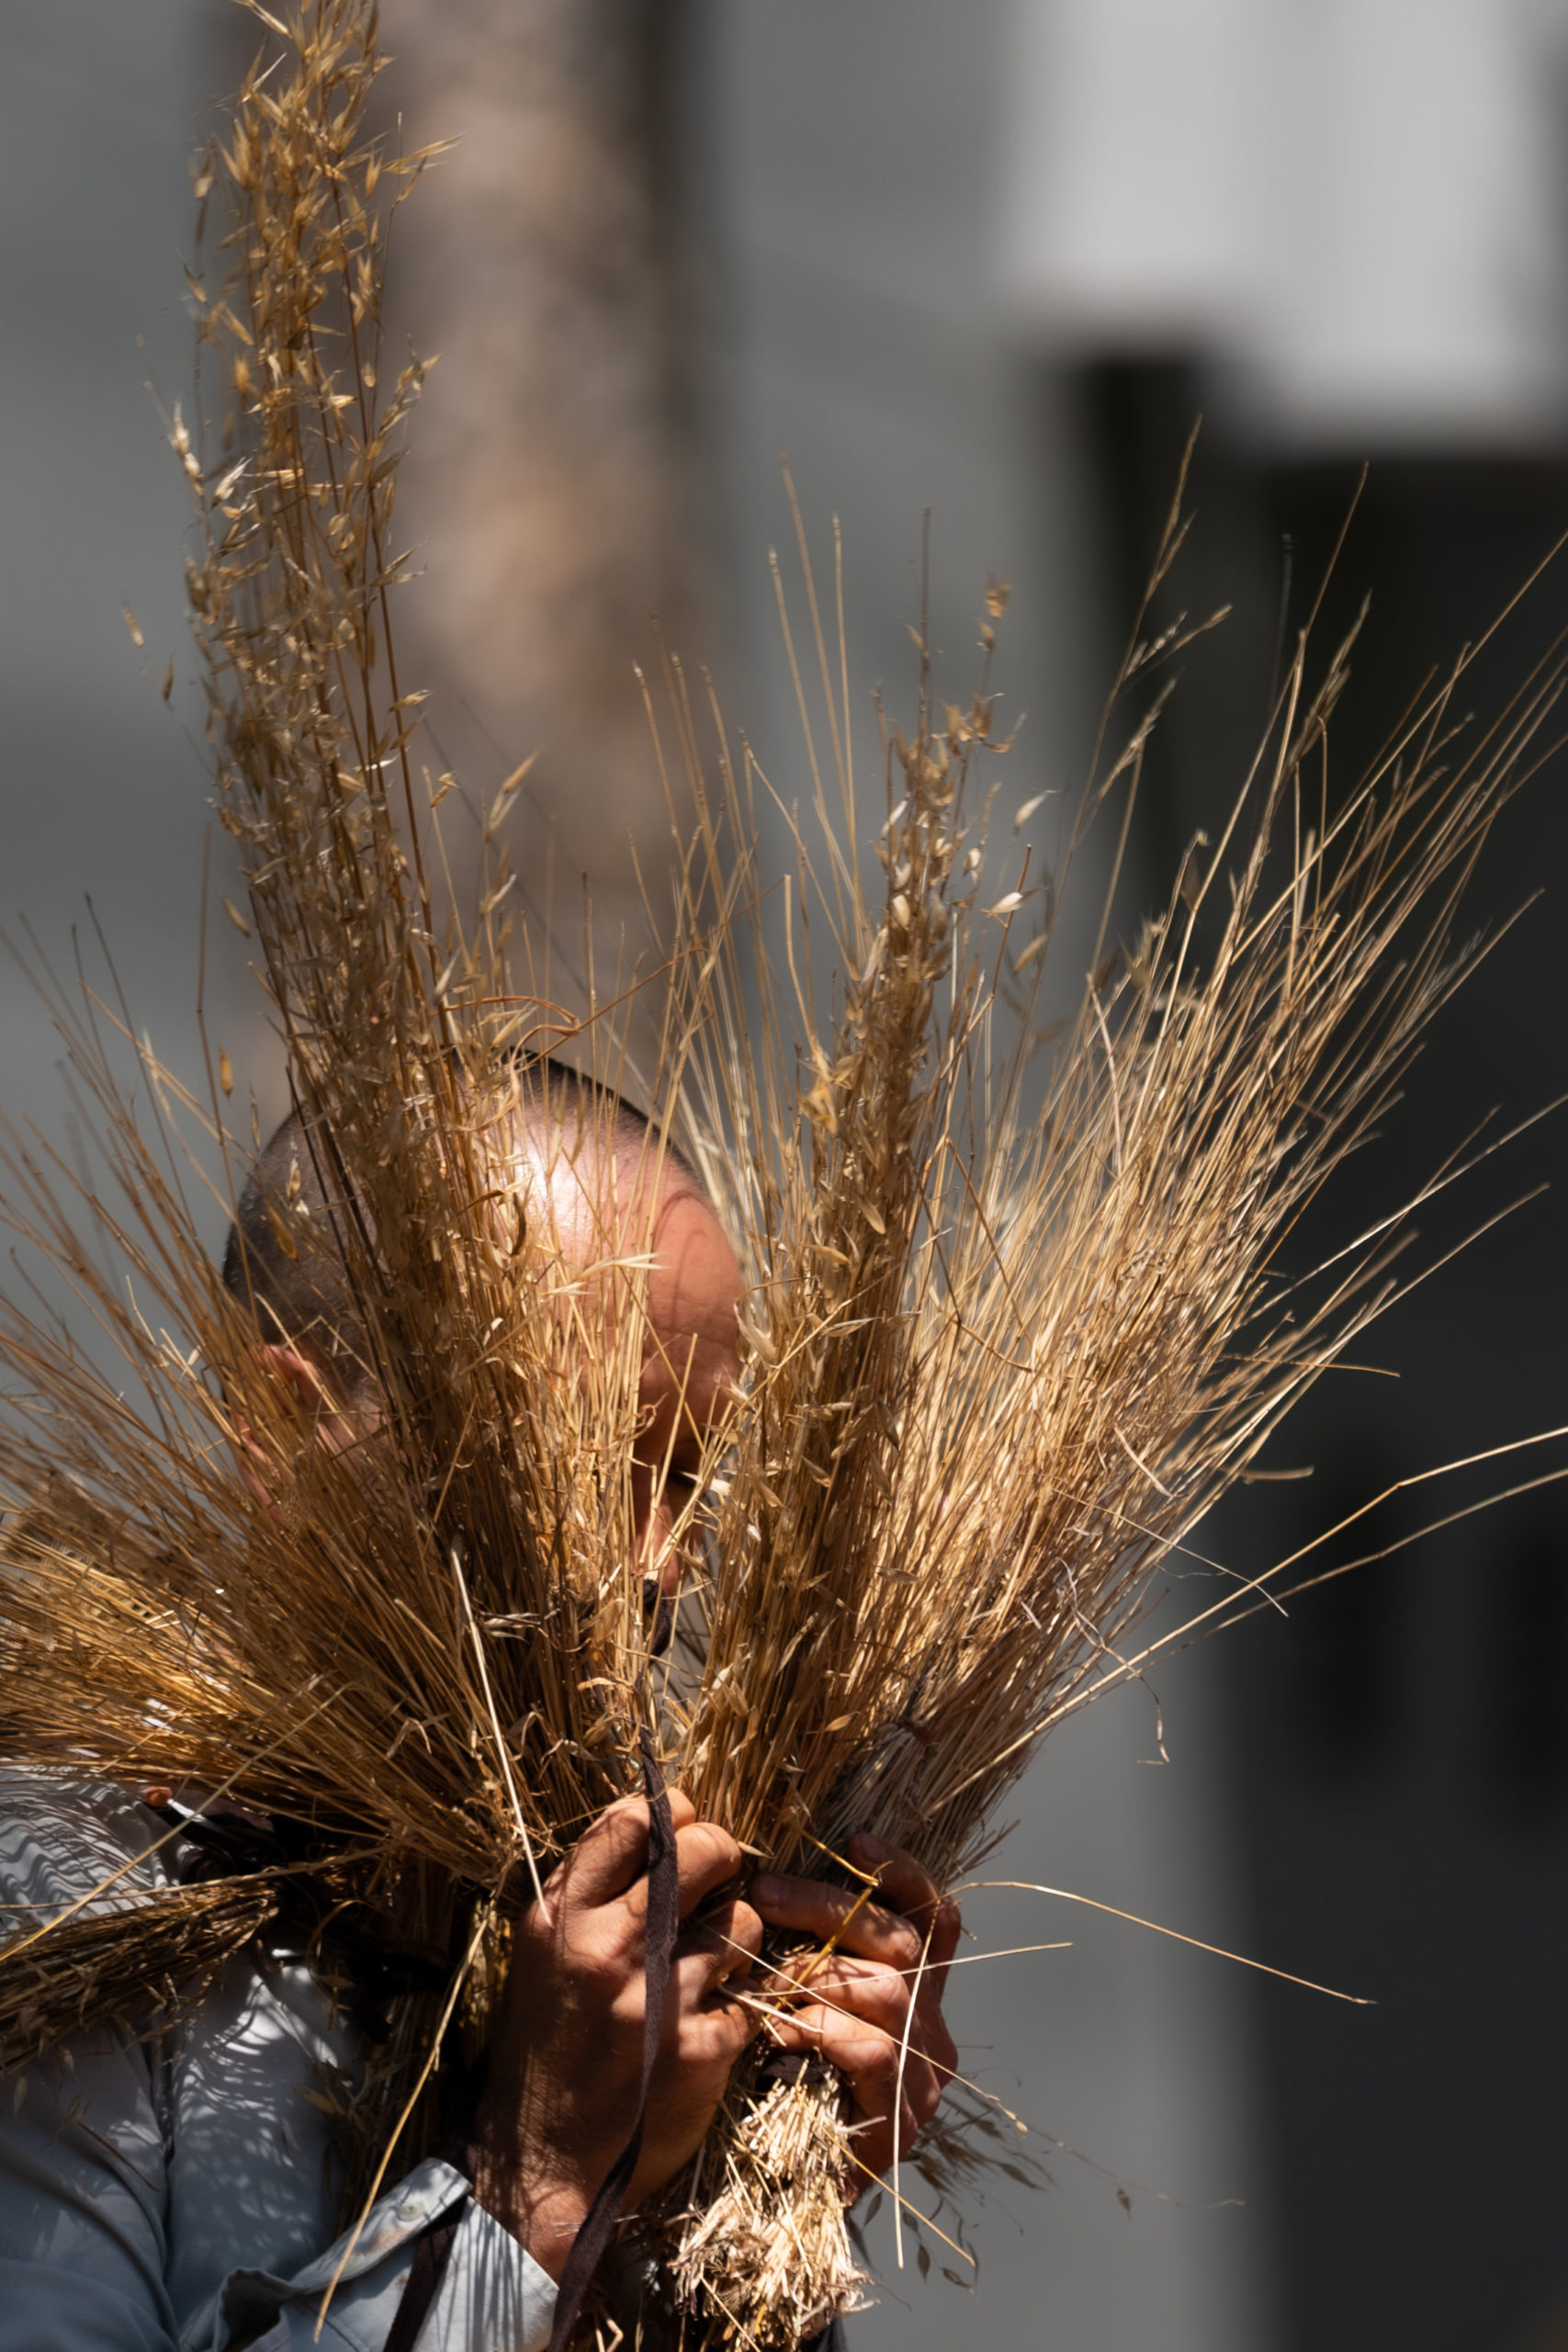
(176, 2192)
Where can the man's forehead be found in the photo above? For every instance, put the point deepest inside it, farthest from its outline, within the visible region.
(603, 1190)
(595, 1149)
(593, 1180)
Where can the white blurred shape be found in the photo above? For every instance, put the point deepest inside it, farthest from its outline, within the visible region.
(1358, 204)
(1126, 171)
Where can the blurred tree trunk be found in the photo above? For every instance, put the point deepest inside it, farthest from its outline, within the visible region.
(551, 486)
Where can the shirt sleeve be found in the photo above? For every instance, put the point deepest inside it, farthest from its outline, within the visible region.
(493, 2296)
(82, 2243)
(83, 2155)
(110, 2158)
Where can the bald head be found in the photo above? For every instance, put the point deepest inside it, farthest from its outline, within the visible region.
(592, 1166)
(285, 1255)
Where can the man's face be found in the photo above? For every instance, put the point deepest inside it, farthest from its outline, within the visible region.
(691, 1368)
(691, 1361)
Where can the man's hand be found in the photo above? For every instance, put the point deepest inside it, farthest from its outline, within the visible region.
(566, 2060)
(872, 1993)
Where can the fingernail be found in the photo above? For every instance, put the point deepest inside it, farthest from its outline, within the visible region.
(767, 1889)
(872, 1847)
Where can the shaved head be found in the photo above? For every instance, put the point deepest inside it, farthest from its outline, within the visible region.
(586, 1158)
(300, 1296)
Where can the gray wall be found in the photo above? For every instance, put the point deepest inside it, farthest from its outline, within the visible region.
(102, 788)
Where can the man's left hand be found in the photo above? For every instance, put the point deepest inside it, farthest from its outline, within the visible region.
(876, 1998)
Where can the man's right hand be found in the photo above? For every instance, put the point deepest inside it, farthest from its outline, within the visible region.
(565, 2056)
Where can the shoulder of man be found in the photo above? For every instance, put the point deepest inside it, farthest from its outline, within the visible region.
(74, 1841)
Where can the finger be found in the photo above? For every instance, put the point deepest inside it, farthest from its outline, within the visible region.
(909, 1890)
(711, 2039)
(901, 1884)
(854, 2010)
(709, 1857)
(739, 1929)
(924, 2090)
(612, 1855)
(702, 1979)
(876, 2099)
(945, 1930)
(727, 1941)
(870, 2059)
(941, 2049)
(865, 2057)
(879, 2144)
(706, 1857)
(831, 1915)
(861, 1996)
(928, 1982)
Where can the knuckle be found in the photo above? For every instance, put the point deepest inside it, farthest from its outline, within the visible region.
(624, 2022)
(892, 1936)
(626, 1813)
(609, 1965)
(908, 1943)
(621, 1995)
(730, 2031)
(883, 1997)
(537, 1931)
(718, 1846)
(879, 2089)
(873, 2059)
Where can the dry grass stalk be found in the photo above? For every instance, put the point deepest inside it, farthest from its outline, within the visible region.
(86, 1971)
(390, 1649)
(1016, 1334)
(1016, 1320)
(768, 2233)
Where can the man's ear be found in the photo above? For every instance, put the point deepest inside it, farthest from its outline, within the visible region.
(306, 1373)
(301, 1372)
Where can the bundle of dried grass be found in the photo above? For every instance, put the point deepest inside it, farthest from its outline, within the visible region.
(383, 1641)
(1017, 1330)
(1017, 1317)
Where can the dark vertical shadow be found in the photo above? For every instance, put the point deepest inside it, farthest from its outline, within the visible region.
(1400, 1743)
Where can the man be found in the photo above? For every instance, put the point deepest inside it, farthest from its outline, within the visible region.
(177, 2190)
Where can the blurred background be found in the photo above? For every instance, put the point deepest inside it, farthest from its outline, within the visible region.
(987, 258)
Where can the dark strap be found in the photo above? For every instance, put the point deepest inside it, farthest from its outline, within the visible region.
(430, 2256)
(659, 1954)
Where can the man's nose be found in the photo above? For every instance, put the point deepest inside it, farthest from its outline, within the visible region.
(660, 1555)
